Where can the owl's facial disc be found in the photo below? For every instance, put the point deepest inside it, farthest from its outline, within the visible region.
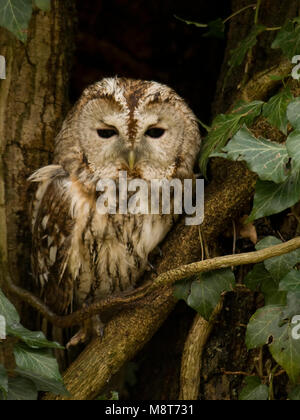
(144, 129)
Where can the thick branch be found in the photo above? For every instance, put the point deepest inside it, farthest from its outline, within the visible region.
(192, 355)
(262, 84)
(122, 339)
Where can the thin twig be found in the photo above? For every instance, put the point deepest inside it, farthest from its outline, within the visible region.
(253, 6)
(202, 244)
(239, 373)
(166, 279)
(234, 238)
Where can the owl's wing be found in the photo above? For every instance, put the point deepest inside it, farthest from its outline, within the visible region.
(52, 228)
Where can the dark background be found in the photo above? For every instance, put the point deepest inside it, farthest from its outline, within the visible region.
(142, 39)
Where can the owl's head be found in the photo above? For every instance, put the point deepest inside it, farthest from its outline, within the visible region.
(118, 124)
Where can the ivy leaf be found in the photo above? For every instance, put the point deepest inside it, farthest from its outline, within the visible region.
(263, 325)
(259, 279)
(293, 113)
(268, 159)
(288, 39)
(8, 311)
(291, 282)
(254, 390)
(206, 291)
(34, 340)
(294, 395)
(40, 367)
(225, 126)
(273, 324)
(15, 329)
(276, 109)
(15, 16)
(182, 289)
(286, 351)
(272, 294)
(271, 198)
(293, 148)
(256, 277)
(21, 389)
(3, 382)
(216, 29)
(280, 266)
(248, 111)
(238, 55)
(293, 306)
(44, 5)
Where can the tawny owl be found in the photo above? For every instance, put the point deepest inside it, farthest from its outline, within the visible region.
(118, 124)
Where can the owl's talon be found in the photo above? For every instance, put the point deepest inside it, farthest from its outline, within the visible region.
(91, 328)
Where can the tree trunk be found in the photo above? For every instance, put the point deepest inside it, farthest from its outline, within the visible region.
(33, 104)
(229, 335)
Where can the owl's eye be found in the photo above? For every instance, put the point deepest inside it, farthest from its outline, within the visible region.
(155, 132)
(107, 133)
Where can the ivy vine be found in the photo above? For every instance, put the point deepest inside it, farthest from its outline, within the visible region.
(277, 165)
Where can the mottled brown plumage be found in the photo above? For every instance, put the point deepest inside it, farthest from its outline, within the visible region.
(78, 254)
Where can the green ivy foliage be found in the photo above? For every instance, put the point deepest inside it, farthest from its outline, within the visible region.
(239, 54)
(288, 39)
(277, 166)
(225, 126)
(16, 14)
(36, 368)
(203, 292)
(279, 281)
(278, 188)
(254, 390)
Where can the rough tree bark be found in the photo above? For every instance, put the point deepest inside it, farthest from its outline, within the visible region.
(33, 104)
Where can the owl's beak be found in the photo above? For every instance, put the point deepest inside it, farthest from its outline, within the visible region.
(131, 159)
